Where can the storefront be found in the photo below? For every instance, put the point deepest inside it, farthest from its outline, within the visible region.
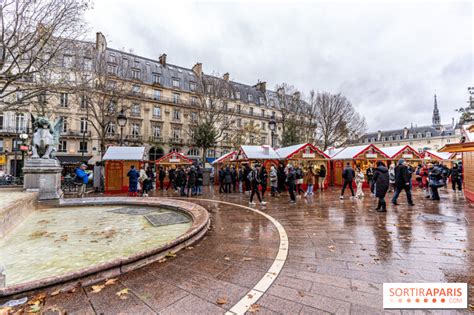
(305, 156)
(441, 157)
(172, 160)
(362, 156)
(404, 152)
(223, 161)
(118, 161)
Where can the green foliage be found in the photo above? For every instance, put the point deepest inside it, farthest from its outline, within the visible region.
(205, 136)
(291, 133)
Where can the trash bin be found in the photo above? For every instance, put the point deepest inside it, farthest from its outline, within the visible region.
(206, 177)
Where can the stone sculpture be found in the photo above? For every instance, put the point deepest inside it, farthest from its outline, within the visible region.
(45, 137)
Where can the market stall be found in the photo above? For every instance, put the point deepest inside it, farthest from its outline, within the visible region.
(172, 160)
(223, 161)
(118, 161)
(306, 156)
(362, 156)
(441, 157)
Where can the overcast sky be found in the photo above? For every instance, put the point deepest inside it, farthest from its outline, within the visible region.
(388, 59)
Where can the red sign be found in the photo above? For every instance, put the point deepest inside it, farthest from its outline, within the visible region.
(24, 148)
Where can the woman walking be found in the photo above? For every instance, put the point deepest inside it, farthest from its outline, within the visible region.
(322, 177)
(143, 180)
(380, 183)
(359, 179)
(310, 181)
(291, 180)
(263, 180)
(391, 178)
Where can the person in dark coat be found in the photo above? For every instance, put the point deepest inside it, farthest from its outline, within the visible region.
(380, 184)
(263, 180)
(227, 180)
(435, 175)
(240, 176)
(456, 177)
(247, 170)
(171, 178)
(133, 175)
(348, 175)
(402, 182)
(151, 177)
(291, 181)
(181, 181)
(199, 180)
(254, 178)
(233, 175)
(161, 177)
(369, 174)
(221, 180)
(281, 178)
(191, 182)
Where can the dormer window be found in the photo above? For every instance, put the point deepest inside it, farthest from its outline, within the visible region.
(410, 136)
(192, 86)
(237, 95)
(250, 97)
(156, 78)
(419, 135)
(175, 83)
(261, 101)
(428, 134)
(136, 74)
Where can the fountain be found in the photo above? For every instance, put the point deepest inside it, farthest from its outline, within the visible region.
(82, 240)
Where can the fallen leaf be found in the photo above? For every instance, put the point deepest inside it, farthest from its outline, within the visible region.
(226, 258)
(97, 288)
(111, 281)
(360, 264)
(55, 293)
(34, 308)
(403, 272)
(189, 247)
(123, 294)
(222, 300)
(247, 259)
(250, 296)
(254, 308)
(301, 293)
(170, 255)
(332, 248)
(162, 260)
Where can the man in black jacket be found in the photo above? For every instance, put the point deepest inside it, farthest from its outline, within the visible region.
(456, 174)
(402, 182)
(348, 175)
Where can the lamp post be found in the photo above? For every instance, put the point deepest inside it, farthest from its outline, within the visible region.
(272, 126)
(23, 137)
(121, 121)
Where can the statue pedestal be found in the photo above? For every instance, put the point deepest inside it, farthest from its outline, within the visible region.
(44, 176)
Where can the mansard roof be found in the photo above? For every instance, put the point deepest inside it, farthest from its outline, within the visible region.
(435, 132)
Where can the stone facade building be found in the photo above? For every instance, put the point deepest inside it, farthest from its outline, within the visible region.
(161, 101)
(429, 137)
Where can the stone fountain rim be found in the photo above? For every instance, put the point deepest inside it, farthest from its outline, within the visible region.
(99, 272)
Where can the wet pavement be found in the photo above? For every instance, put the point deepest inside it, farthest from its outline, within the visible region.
(340, 254)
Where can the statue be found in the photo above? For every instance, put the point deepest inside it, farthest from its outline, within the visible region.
(45, 137)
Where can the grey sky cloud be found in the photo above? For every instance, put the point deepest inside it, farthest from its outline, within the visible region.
(387, 58)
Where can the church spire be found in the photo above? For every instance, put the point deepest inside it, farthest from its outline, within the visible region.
(436, 119)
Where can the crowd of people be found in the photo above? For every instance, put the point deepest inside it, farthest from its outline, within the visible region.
(398, 178)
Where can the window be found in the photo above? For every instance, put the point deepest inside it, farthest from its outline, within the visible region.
(410, 136)
(192, 86)
(82, 146)
(157, 94)
(135, 74)
(263, 126)
(63, 100)
(194, 152)
(136, 89)
(83, 102)
(261, 101)
(111, 129)
(251, 111)
(428, 134)
(211, 153)
(136, 110)
(157, 111)
(20, 123)
(111, 68)
(237, 95)
(1, 121)
(250, 98)
(87, 64)
(175, 83)
(390, 138)
(399, 137)
(112, 107)
(419, 135)
(62, 146)
(65, 124)
(225, 106)
(156, 78)
(209, 88)
(135, 130)
(239, 122)
(263, 113)
(273, 115)
(83, 125)
(272, 103)
(176, 115)
(67, 61)
(175, 98)
(1, 145)
(194, 117)
(111, 84)
(238, 109)
(156, 131)
(194, 100)
(176, 133)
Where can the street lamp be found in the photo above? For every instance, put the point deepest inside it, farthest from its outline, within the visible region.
(23, 137)
(121, 121)
(272, 126)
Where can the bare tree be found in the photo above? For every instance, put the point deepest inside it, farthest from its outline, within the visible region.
(102, 88)
(214, 116)
(33, 35)
(248, 134)
(336, 120)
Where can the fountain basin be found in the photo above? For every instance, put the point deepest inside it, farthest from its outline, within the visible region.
(148, 248)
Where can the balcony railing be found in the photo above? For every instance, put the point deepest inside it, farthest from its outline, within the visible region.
(76, 133)
(134, 138)
(156, 139)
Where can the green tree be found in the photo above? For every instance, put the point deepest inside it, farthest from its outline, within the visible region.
(291, 134)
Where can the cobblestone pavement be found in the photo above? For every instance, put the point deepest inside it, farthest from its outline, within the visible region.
(340, 254)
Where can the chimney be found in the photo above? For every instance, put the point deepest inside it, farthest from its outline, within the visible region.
(163, 59)
(281, 92)
(100, 42)
(226, 76)
(296, 95)
(197, 69)
(261, 86)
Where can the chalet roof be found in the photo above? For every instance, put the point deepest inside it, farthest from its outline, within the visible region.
(285, 152)
(124, 153)
(258, 152)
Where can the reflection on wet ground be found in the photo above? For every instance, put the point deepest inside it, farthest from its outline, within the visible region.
(341, 252)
